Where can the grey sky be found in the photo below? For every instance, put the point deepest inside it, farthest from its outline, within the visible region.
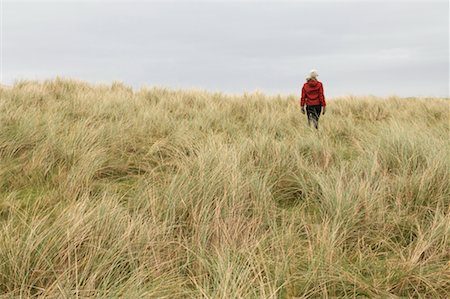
(359, 47)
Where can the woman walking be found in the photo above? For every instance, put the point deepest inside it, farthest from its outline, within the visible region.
(313, 98)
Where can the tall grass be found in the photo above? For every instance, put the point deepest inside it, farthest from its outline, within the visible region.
(110, 192)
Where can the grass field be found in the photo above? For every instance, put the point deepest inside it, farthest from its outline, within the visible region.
(111, 192)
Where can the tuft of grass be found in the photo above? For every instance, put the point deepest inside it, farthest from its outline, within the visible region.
(106, 191)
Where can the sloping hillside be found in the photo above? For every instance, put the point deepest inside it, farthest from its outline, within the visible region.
(110, 192)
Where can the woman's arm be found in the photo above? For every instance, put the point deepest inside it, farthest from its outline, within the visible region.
(303, 97)
(322, 96)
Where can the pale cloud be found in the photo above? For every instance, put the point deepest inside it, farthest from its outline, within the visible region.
(364, 47)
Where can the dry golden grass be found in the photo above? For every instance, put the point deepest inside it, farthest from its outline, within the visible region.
(110, 192)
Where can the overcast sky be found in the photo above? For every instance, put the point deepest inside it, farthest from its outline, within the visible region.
(358, 47)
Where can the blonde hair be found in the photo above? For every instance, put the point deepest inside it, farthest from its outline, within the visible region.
(313, 74)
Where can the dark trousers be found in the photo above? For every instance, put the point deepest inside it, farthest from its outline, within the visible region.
(313, 113)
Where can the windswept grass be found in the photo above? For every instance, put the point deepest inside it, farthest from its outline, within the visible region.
(110, 192)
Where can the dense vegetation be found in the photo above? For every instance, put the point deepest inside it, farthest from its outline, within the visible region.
(155, 193)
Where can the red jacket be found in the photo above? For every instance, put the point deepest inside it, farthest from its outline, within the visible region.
(312, 94)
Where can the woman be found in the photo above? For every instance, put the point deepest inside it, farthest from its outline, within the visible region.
(313, 98)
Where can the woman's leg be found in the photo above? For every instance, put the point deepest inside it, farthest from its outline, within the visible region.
(314, 114)
(309, 114)
(317, 111)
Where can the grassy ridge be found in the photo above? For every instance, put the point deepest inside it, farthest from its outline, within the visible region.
(110, 192)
